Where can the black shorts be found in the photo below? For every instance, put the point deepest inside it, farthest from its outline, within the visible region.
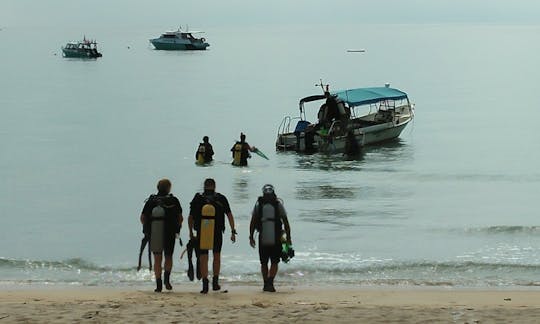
(218, 242)
(272, 253)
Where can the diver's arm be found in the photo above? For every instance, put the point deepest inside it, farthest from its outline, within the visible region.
(231, 223)
(252, 231)
(180, 219)
(190, 225)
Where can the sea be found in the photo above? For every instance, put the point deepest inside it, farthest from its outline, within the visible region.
(451, 203)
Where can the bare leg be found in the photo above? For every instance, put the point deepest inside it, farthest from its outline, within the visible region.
(264, 271)
(271, 275)
(157, 271)
(157, 265)
(203, 264)
(168, 267)
(216, 265)
(273, 270)
(168, 263)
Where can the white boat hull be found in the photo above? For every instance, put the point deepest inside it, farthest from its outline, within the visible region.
(337, 144)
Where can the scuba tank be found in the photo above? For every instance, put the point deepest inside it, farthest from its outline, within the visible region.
(206, 234)
(200, 153)
(237, 153)
(268, 225)
(157, 227)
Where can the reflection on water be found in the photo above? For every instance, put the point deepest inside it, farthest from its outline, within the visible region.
(389, 151)
(307, 191)
(329, 216)
(241, 188)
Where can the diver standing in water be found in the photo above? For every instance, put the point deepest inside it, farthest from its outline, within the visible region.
(268, 218)
(205, 152)
(162, 219)
(240, 151)
(207, 218)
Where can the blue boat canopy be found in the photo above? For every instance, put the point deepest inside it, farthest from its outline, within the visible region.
(364, 96)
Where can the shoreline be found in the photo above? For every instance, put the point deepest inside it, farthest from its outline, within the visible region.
(289, 304)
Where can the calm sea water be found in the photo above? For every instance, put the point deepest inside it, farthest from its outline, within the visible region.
(452, 202)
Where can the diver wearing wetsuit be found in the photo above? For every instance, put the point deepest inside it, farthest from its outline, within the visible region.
(268, 218)
(162, 219)
(205, 152)
(222, 208)
(240, 151)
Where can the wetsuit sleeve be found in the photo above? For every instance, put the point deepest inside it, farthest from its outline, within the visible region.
(147, 209)
(225, 203)
(194, 205)
(254, 211)
(282, 211)
(179, 206)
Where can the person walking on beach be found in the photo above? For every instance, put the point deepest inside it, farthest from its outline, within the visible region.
(205, 152)
(162, 219)
(268, 218)
(240, 151)
(207, 218)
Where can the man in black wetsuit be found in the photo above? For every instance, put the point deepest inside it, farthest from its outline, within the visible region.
(162, 219)
(222, 208)
(240, 151)
(205, 152)
(269, 218)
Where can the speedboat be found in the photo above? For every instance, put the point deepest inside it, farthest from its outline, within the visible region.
(82, 49)
(179, 40)
(347, 120)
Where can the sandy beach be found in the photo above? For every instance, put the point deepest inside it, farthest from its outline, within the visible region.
(289, 304)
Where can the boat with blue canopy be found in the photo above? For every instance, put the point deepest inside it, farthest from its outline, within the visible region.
(347, 120)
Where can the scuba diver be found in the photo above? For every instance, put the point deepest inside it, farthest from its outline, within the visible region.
(204, 152)
(268, 218)
(240, 151)
(207, 218)
(162, 219)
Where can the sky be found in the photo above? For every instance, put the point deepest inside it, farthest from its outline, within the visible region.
(215, 13)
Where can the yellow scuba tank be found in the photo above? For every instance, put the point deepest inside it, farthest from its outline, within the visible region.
(208, 219)
(200, 154)
(237, 154)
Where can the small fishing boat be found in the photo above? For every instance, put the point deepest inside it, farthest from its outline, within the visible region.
(179, 40)
(82, 49)
(347, 120)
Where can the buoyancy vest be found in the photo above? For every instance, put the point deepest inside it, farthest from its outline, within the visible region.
(237, 153)
(268, 221)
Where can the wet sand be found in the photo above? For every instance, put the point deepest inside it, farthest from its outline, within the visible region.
(289, 304)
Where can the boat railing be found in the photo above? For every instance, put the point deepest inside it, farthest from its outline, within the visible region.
(285, 125)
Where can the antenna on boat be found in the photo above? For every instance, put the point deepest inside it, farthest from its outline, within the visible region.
(320, 84)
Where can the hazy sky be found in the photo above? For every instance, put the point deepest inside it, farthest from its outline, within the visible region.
(215, 13)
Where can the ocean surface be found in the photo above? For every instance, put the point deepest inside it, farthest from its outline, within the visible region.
(453, 202)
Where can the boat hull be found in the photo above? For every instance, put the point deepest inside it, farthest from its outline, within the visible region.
(337, 144)
(79, 54)
(178, 45)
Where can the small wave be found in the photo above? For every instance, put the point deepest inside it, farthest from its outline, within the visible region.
(506, 229)
(68, 264)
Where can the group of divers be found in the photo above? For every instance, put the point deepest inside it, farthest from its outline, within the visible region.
(162, 220)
